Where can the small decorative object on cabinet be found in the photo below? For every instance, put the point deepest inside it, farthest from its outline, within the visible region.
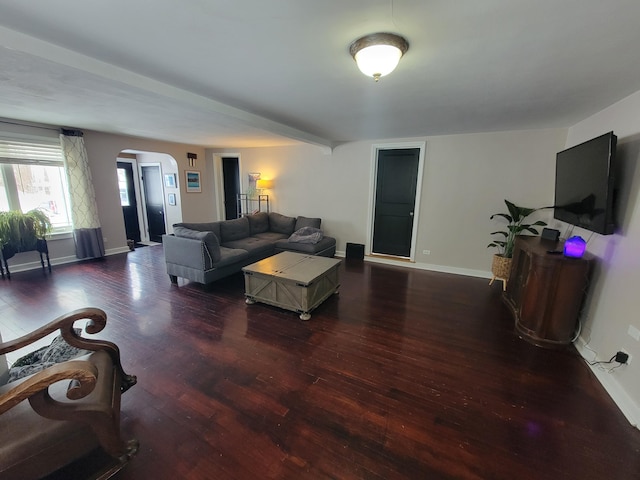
(501, 265)
(546, 291)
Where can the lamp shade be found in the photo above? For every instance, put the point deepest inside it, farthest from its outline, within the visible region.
(264, 184)
(378, 54)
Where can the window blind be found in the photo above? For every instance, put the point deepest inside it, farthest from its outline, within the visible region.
(32, 152)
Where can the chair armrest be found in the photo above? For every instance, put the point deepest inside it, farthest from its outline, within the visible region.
(64, 323)
(97, 321)
(82, 373)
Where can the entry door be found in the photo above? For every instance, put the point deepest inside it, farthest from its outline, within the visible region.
(396, 182)
(154, 201)
(128, 201)
(231, 181)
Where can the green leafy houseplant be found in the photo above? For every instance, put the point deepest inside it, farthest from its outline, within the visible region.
(515, 226)
(21, 232)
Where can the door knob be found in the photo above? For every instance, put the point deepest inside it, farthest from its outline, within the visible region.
(411, 214)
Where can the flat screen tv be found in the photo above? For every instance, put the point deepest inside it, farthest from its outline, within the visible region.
(585, 184)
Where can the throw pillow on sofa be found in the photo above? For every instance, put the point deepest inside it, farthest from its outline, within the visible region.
(209, 238)
(302, 222)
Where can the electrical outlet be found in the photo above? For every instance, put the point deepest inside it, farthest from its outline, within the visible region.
(634, 332)
(426, 252)
(628, 362)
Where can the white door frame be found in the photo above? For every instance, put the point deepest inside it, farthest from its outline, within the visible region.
(375, 148)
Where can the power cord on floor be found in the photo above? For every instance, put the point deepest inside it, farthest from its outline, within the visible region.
(603, 361)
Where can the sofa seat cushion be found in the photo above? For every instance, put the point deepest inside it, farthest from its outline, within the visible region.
(308, 248)
(209, 238)
(230, 256)
(271, 236)
(253, 245)
(258, 222)
(281, 223)
(236, 229)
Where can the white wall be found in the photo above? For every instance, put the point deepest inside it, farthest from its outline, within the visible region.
(168, 165)
(614, 301)
(103, 150)
(466, 179)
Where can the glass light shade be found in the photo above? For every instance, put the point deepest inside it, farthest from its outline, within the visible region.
(378, 54)
(264, 184)
(378, 60)
(575, 247)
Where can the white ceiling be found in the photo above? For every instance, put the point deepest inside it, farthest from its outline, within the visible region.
(238, 73)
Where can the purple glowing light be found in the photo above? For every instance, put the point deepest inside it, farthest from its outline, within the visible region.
(575, 247)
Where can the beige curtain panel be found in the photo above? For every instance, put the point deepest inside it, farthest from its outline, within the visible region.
(87, 231)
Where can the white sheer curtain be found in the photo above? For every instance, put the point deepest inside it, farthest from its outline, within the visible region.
(87, 231)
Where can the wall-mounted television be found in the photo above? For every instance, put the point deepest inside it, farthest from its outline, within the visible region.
(585, 184)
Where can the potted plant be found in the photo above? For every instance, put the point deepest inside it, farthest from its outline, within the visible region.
(21, 232)
(501, 265)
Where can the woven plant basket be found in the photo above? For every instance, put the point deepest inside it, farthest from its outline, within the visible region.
(501, 266)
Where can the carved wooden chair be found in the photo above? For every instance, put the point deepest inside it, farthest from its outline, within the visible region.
(61, 413)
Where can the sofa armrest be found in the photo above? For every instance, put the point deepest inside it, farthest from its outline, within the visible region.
(187, 252)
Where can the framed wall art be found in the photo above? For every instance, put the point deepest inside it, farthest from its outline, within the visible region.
(170, 180)
(172, 199)
(193, 181)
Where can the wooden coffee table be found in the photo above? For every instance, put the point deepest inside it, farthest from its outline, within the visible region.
(292, 281)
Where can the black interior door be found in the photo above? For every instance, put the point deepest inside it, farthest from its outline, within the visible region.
(395, 201)
(154, 201)
(128, 201)
(231, 181)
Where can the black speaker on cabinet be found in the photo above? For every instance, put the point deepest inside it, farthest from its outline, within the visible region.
(550, 234)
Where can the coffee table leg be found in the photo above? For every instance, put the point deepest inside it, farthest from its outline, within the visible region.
(305, 316)
(249, 301)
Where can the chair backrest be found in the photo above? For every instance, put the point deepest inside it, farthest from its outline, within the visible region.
(4, 367)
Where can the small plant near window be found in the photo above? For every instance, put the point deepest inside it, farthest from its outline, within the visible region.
(21, 232)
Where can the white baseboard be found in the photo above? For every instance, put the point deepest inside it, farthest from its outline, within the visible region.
(23, 267)
(621, 398)
(424, 266)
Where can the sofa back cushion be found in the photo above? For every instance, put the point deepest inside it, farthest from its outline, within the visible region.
(281, 223)
(258, 222)
(302, 222)
(211, 242)
(202, 227)
(231, 230)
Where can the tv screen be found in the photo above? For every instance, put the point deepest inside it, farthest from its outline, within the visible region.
(584, 184)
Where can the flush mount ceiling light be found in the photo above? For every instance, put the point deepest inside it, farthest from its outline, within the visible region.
(378, 54)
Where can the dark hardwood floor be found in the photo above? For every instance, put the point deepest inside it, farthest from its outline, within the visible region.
(404, 374)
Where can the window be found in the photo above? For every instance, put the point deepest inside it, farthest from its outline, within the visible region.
(33, 177)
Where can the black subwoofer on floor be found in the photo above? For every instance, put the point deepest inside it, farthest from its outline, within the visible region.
(355, 251)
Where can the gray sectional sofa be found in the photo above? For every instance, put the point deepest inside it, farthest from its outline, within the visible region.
(205, 252)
